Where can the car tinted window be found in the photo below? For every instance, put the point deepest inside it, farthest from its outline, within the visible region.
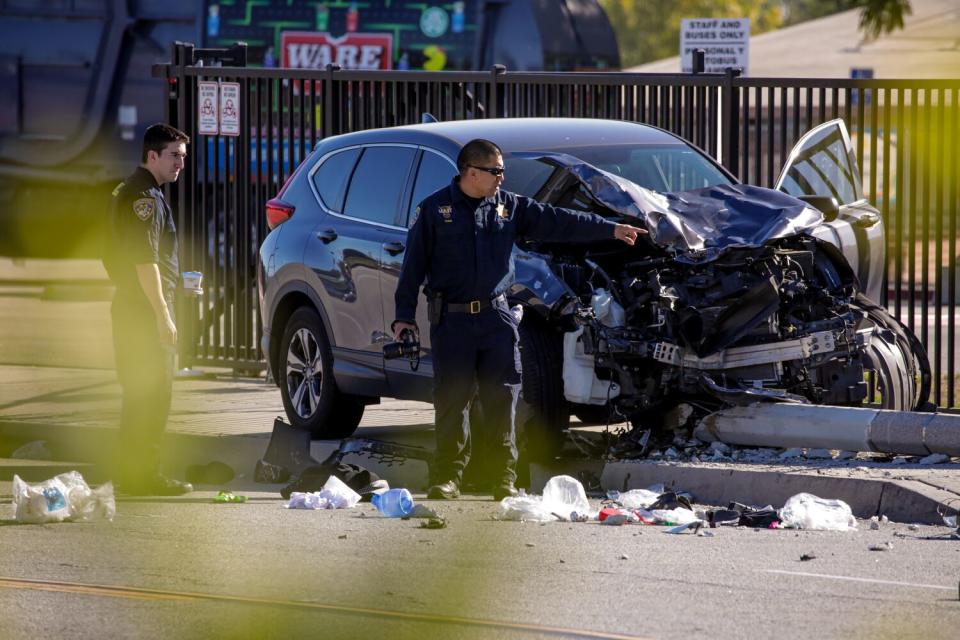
(332, 176)
(377, 184)
(823, 168)
(435, 172)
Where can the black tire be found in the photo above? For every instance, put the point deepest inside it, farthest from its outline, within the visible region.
(543, 413)
(898, 359)
(310, 395)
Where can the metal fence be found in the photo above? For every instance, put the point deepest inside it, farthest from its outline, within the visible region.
(906, 134)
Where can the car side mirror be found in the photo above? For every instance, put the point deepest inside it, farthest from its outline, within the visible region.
(826, 204)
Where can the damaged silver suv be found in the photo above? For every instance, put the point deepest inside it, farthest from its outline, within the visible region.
(738, 294)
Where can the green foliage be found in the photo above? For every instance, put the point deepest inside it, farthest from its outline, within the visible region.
(882, 16)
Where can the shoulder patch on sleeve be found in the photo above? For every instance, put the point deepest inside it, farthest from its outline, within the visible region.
(144, 208)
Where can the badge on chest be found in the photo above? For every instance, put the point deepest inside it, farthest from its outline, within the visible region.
(446, 212)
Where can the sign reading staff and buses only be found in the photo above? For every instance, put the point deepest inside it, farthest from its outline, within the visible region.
(726, 42)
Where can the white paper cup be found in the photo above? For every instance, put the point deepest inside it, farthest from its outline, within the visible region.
(192, 281)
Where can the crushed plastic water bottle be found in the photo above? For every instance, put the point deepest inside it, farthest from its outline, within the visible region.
(395, 503)
(807, 511)
(64, 497)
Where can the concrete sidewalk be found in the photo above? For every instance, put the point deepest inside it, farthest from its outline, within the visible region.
(219, 417)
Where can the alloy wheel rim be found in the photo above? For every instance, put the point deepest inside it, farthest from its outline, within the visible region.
(304, 373)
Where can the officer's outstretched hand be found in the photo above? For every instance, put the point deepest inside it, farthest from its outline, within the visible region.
(167, 330)
(628, 234)
(399, 326)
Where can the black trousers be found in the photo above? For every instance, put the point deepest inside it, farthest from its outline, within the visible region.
(475, 353)
(145, 368)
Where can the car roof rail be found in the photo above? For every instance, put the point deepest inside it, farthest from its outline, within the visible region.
(428, 118)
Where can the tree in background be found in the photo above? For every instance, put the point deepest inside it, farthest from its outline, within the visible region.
(876, 16)
(649, 30)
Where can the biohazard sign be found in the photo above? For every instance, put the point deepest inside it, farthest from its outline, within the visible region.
(207, 108)
(230, 108)
(315, 50)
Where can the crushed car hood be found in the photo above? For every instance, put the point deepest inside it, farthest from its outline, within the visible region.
(697, 225)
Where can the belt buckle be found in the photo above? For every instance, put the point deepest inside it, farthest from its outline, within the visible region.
(474, 307)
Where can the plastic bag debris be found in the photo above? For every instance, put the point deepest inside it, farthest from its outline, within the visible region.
(562, 495)
(635, 498)
(678, 516)
(36, 450)
(334, 495)
(64, 497)
(807, 511)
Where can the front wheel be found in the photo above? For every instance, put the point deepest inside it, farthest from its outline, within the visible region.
(543, 413)
(310, 395)
(897, 360)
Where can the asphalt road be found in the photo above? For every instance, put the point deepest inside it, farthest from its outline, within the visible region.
(185, 568)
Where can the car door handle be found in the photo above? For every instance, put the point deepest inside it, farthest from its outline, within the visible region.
(327, 235)
(394, 248)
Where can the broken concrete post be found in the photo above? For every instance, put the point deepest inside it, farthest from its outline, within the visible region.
(854, 429)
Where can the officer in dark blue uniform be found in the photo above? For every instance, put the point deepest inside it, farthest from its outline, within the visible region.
(140, 255)
(461, 245)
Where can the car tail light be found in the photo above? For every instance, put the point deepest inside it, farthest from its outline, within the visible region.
(278, 211)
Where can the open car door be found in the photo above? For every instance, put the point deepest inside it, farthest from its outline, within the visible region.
(822, 167)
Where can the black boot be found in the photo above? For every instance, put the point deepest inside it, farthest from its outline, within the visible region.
(449, 490)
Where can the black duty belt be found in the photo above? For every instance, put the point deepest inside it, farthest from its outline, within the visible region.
(472, 307)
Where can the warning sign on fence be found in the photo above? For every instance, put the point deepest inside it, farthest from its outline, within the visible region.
(725, 41)
(207, 108)
(229, 108)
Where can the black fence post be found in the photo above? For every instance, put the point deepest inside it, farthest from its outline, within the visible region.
(730, 121)
(495, 107)
(699, 61)
(328, 100)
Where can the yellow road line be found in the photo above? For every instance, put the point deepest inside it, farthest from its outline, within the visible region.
(114, 591)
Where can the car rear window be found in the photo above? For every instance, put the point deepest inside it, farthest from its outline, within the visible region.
(377, 184)
(332, 176)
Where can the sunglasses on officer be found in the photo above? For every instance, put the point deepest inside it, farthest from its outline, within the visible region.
(494, 171)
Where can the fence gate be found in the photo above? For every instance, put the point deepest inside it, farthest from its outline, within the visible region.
(906, 134)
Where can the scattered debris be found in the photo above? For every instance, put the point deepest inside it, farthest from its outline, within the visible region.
(791, 453)
(229, 497)
(884, 519)
(881, 546)
(624, 556)
(819, 454)
(807, 557)
(423, 511)
(334, 495)
(935, 458)
(395, 503)
(36, 450)
(63, 497)
(562, 497)
(913, 527)
(874, 523)
(214, 472)
(807, 511)
(434, 523)
(342, 536)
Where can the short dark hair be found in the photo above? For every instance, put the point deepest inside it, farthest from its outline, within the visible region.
(158, 136)
(476, 152)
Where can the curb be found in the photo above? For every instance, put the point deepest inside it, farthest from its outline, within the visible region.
(899, 500)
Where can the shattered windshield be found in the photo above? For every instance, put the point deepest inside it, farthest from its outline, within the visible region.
(695, 225)
(661, 168)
